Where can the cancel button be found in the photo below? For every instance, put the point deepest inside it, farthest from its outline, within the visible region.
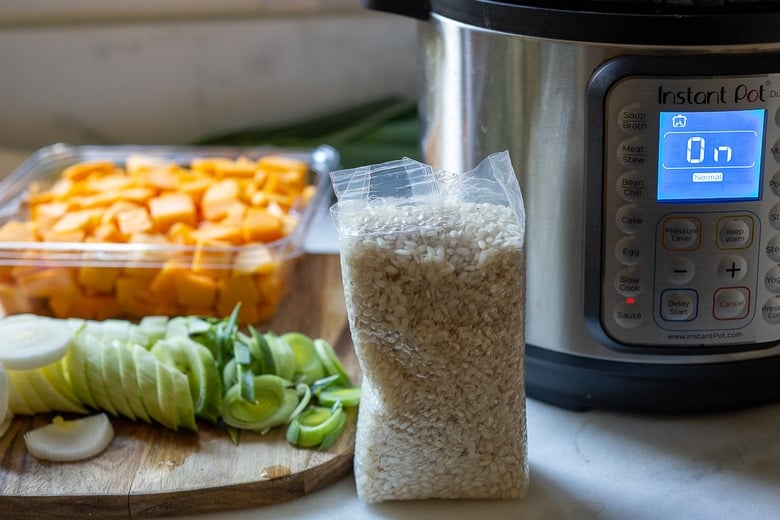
(731, 303)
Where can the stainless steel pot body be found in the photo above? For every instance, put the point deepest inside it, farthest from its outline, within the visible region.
(484, 91)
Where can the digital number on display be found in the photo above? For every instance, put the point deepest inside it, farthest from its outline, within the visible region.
(710, 156)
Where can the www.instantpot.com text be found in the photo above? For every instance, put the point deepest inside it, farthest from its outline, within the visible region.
(697, 336)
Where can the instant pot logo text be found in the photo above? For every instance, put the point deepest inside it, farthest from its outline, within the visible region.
(741, 94)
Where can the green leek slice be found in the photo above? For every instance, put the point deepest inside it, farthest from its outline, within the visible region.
(317, 426)
(274, 400)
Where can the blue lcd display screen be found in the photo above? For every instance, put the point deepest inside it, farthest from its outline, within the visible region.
(710, 156)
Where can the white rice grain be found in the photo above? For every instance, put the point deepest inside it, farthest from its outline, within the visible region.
(435, 298)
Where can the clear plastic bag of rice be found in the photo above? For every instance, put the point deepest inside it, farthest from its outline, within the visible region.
(433, 267)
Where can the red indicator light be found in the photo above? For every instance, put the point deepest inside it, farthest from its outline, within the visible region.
(630, 300)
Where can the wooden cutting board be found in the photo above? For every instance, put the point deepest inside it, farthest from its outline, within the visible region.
(150, 471)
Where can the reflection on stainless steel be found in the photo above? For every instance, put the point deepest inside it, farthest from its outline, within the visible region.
(486, 92)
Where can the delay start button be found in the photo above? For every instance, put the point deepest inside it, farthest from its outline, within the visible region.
(679, 305)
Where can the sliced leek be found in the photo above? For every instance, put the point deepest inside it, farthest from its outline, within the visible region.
(274, 401)
(317, 426)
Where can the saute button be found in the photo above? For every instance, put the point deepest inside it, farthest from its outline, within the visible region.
(629, 218)
(772, 279)
(731, 303)
(631, 186)
(627, 315)
(628, 282)
(680, 270)
(732, 268)
(679, 305)
(628, 250)
(771, 310)
(681, 233)
(735, 232)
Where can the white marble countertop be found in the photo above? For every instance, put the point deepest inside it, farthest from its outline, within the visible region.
(587, 465)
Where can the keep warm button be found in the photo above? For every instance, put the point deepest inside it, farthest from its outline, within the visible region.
(731, 303)
(679, 305)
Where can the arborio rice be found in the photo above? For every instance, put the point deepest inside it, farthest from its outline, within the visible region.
(435, 296)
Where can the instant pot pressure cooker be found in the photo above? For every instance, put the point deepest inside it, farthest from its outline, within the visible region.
(646, 139)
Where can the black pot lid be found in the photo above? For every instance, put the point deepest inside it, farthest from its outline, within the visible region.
(630, 22)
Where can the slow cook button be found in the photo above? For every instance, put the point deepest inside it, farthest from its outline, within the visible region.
(632, 119)
(731, 303)
(679, 305)
(628, 250)
(628, 283)
(771, 310)
(632, 153)
(629, 218)
(627, 315)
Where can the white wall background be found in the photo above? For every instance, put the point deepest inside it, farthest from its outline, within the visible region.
(173, 72)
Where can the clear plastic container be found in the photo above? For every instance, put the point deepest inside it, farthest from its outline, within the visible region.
(100, 280)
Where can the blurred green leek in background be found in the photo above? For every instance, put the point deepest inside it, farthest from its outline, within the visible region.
(376, 132)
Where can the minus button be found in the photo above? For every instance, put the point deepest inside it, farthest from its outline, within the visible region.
(680, 271)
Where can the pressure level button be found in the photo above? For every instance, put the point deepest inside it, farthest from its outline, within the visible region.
(681, 233)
